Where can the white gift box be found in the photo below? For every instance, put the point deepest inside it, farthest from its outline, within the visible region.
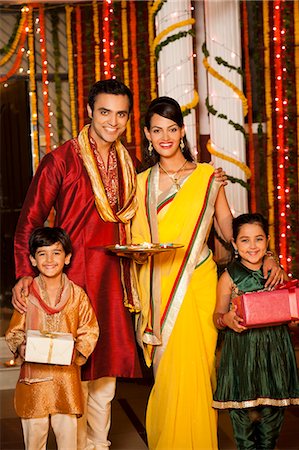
(49, 347)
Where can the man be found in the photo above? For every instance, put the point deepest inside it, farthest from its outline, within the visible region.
(90, 181)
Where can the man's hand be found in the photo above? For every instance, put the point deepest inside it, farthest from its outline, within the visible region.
(19, 293)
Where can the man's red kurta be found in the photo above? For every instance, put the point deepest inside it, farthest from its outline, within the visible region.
(62, 181)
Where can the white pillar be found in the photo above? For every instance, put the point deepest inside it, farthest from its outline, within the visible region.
(223, 39)
(175, 64)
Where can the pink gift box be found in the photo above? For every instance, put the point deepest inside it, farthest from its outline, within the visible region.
(261, 309)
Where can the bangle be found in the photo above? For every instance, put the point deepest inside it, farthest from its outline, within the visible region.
(272, 255)
(220, 324)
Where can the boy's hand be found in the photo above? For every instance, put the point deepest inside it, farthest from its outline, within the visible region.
(19, 293)
(21, 350)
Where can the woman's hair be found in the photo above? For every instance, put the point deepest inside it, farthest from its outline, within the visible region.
(46, 236)
(170, 109)
(249, 218)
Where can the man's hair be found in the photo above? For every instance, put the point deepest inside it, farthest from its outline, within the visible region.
(110, 86)
(46, 236)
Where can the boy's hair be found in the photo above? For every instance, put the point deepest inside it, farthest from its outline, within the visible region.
(250, 218)
(110, 86)
(46, 236)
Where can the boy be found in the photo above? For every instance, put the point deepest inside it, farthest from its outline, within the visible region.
(54, 304)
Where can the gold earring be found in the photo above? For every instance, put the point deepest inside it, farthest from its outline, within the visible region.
(150, 148)
(182, 145)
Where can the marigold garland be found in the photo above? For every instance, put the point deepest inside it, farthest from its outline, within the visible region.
(268, 100)
(106, 40)
(96, 35)
(57, 80)
(186, 109)
(241, 165)
(172, 27)
(19, 33)
(135, 80)
(45, 90)
(33, 99)
(151, 33)
(125, 50)
(18, 58)
(69, 10)
(172, 38)
(296, 26)
(80, 88)
(228, 83)
(249, 101)
(156, 6)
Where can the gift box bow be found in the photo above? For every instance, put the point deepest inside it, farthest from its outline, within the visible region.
(291, 287)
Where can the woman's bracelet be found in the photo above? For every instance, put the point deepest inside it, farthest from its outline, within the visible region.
(220, 324)
(272, 255)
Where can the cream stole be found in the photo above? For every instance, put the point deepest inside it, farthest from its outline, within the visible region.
(187, 221)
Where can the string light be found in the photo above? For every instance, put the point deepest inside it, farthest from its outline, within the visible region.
(280, 117)
(45, 82)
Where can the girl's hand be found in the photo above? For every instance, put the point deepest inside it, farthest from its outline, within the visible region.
(233, 321)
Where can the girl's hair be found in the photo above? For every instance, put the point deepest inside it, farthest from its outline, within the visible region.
(46, 236)
(170, 109)
(249, 218)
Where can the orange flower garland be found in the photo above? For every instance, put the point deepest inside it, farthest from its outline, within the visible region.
(278, 43)
(151, 36)
(267, 70)
(125, 49)
(45, 81)
(96, 35)
(106, 39)
(135, 80)
(249, 102)
(19, 56)
(33, 100)
(18, 37)
(80, 89)
(69, 10)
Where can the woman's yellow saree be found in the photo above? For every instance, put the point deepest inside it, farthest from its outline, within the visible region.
(178, 294)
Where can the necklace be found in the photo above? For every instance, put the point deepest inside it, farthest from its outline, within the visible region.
(174, 176)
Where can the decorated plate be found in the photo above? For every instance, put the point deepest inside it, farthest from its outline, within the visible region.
(145, 247)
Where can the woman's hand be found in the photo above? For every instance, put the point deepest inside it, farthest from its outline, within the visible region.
(233, 321)
(19, 293)
(277, 274)
(220, 175)
(138, 257)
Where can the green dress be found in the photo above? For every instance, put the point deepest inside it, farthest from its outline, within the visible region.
(257, 366)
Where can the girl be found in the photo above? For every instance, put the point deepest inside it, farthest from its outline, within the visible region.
(257, 374)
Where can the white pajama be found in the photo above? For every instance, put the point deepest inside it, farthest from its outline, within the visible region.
(35, 431)
(94, 425)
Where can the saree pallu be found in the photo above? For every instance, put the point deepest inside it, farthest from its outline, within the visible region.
(178, 295)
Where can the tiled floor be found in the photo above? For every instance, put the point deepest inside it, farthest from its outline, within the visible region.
(127, 431)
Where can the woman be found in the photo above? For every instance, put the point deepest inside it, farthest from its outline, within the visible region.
(177, 199)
